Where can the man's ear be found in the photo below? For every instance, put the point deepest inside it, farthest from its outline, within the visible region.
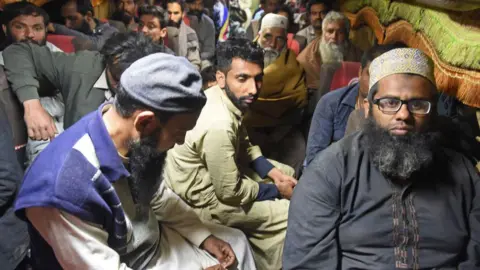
(4, 28)
(360, 72)
(145, 122)
(163, 32)
(221, 79)
(366, 107)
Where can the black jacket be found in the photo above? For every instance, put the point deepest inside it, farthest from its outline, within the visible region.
(14, 238)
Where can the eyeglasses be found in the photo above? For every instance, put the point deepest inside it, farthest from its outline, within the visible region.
(392, 105)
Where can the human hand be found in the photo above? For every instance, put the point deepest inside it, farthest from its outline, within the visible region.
(40, 125)
(278, 177)
(216, 267)
(285, 188)
(51, 28)
(220, 250)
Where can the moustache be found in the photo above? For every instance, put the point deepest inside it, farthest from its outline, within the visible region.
(122, 16)
(197, 13)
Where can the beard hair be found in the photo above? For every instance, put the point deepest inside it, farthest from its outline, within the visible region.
(238, 102)
(9, 39)
(196, 13)
(317, 24)
(122, 16)
(146, 167)
(269, 56)
(399, 157)
(174, 24)
(331, 52)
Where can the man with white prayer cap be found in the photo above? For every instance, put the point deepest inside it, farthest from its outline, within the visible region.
(94, 198)
(389, 196)
(273, 120)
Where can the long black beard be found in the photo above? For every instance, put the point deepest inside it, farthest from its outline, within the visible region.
(146, 167)
(400, 157)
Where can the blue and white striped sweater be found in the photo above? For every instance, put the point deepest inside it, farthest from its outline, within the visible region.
(75, 174)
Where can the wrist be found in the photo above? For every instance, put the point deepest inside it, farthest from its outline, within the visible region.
(275, 174)
(31, 104)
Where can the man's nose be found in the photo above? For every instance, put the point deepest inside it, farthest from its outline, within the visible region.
(403, 113)
(30, 34)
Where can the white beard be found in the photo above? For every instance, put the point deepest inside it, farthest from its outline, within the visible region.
(269, 56)
(331, 52)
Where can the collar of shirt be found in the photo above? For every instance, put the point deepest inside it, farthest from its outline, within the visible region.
(350, 98)
(111, 164)
(311, 30)
(102, 83)
(226, 100)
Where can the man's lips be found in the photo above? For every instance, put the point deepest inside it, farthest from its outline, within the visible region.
(400, 130)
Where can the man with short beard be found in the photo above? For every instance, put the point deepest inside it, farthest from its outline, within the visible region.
(25, 22)
(85, 79)
(389, 196)
(331, 48)
(80, 23)
(316, 12)
(182, 39)
(94, 198)
(272, 121)
(205, 29)
(126, 12)
(220, 173)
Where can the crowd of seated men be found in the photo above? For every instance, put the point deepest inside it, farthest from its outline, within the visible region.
(164, 137)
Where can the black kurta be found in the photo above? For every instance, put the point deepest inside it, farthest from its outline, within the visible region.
(345, 215)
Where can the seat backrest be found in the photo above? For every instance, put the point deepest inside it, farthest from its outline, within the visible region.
(62, 42)
(344, 75)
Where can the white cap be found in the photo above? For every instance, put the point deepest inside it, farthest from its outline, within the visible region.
(273, 20)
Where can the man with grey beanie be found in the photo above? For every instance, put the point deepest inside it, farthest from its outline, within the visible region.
(95, 199)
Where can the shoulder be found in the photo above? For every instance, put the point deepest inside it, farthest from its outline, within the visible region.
(208, 19)
(332, 98)
(341, 153)
(61, 176)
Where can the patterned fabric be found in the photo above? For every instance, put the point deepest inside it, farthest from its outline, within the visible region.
(405, 60)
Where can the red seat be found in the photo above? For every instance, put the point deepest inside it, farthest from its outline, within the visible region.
(62, 42)
(345, 74)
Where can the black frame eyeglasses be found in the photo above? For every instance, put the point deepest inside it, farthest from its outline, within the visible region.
(389, 105)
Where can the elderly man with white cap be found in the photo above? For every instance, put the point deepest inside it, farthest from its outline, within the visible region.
(95, 199)
(273, 120)
(389, 196)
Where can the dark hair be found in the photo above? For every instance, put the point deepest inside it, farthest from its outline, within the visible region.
(83, 6)
(288, 10)
(13, 10)
(378, 50)
(122, 49)
(311, 3)
(155, 11)
(208, 74)
(238, 48)
(180, 2)
(126, 105)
